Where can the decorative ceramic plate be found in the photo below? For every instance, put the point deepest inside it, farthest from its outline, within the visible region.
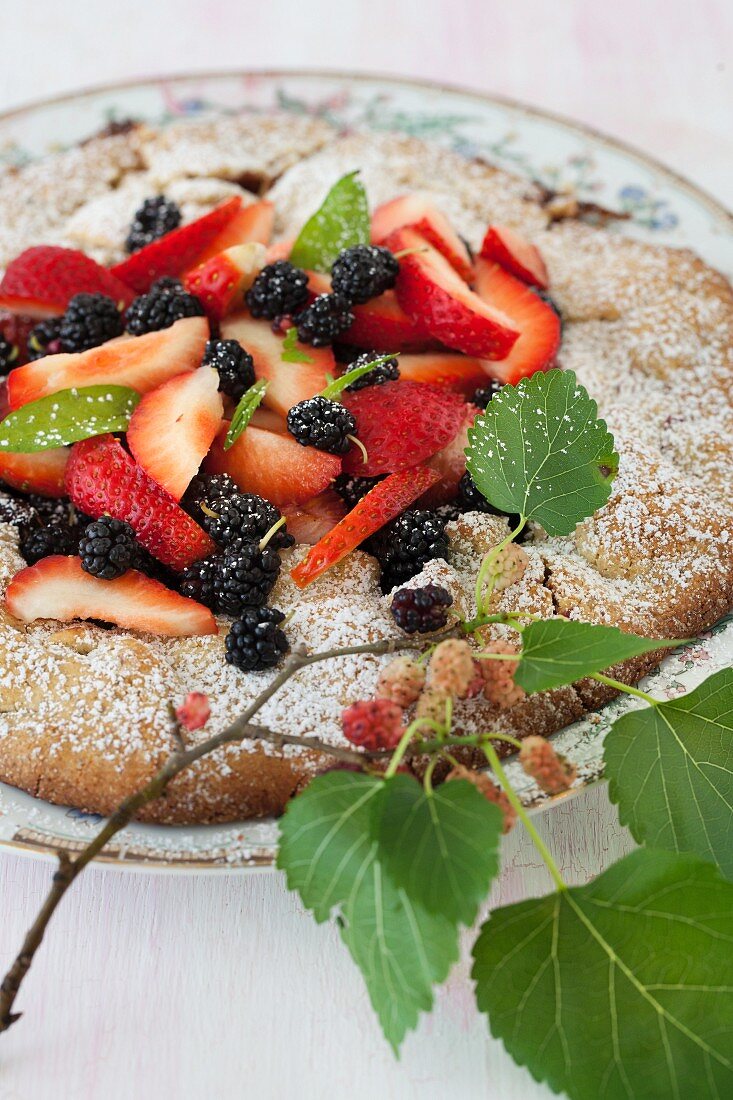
(560, 154)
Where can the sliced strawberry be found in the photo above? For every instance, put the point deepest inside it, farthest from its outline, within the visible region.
(516, 255)
(273, 465)
(401, 424)
(538, 324)
(58, 588)
(142, 362)
(41, 472)
(428, 288)
(289, 383)
(417, 211)
(172, 428)
(250, 223)
(381, 324)
(280, 250)
(176, 251)
(450, 463)
(222, 280)
(313, 519)
(102, 477)
(48, 276)
(387, 499)
(33, 308)
(460, 373)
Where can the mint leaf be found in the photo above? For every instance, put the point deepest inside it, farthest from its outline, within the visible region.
(244, 411)
(619, 989)
(341, 221)
(292, 350)
(331, 858)
(66, 417)
(561, 651)
(540, 450)
(337, 385)
(671, 772)
(442, 847)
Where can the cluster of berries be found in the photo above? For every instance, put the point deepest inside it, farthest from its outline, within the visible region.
(498, 675)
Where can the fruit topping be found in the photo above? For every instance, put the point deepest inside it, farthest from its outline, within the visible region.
(244, 516)
(233, 364)
(52, 538)
(421, 610)
(382, 325)
(537, 323)
(245, 576)
(364, 271)
(401, 681)
(352, 488)
(486, 393)
(450, 463)
(255, 641)
(220, 282)
(155, 218)
(428, 288)
(45, 339)
(324, 320)
(401, 424)
(253, 223)
(177, 251)
(141, 363)
(460, 373)
(102, 478)
(42, 472)
(89, 320)
(8, 355)
(311, 520)
(474, 501)
(49, 276)
(323, 424)
(166, 303)
(279, 289)
(417, 211)
(58, 588)
(515, 254)
(407, 544)
(172, 428)
(108, 548)
(385, 370)
(373, 724)
(387, 500)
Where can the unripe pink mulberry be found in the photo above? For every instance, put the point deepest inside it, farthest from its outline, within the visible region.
(509, 567)
(451, 668)
(551, 772)
(490, 790)
(432, 705)
(499, 686)
(401, 681)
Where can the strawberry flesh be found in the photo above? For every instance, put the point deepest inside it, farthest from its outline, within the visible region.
(516, 255)
(48, 276)
(223, 279)
(250, 223)
(313, 519)
(538, 324)
(41, 472)
(460, 373)
(416, 211)
(58, 588)
(400, 424)
(102, 478)
(384, 502)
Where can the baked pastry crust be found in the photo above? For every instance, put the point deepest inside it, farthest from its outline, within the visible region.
(84, 716)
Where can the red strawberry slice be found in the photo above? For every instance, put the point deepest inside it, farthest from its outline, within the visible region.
(401, 424)
(380, 324)
(289, 383)
(313, 519)
(41, 472)
(387, 499)
(142, 362)
(250, 223)
(48, 276)
(417, 211)
(176, 251)
(516, 255)
(35, 309)
(538, 324)
(460, 373)
(102, 477)
(450, 463)
(273, 465)
(172, 428)
(428, 288)
(58, 588)
(222, 280)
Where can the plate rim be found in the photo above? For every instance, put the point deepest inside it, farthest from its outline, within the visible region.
(140, 864)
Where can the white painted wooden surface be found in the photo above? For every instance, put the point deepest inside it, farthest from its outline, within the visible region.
(219, 986)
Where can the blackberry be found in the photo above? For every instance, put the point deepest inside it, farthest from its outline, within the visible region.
(205, 488)
(155, 218)
(482, 396)
(19, 513)
(90, 320)
(8, 355)
(44, 339)
(164, 304)
(363, 272)
(233, 364)
(55, 509)
(407, 544)
(421, 610)
(279, 289)
(387, 371)
(475, 501)
(108, 548)
(323, 424)
(245, 577)
(325, 319)
(53, 538)
(352, 489)
(242, 516)
(255, 641)
(198, 581)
